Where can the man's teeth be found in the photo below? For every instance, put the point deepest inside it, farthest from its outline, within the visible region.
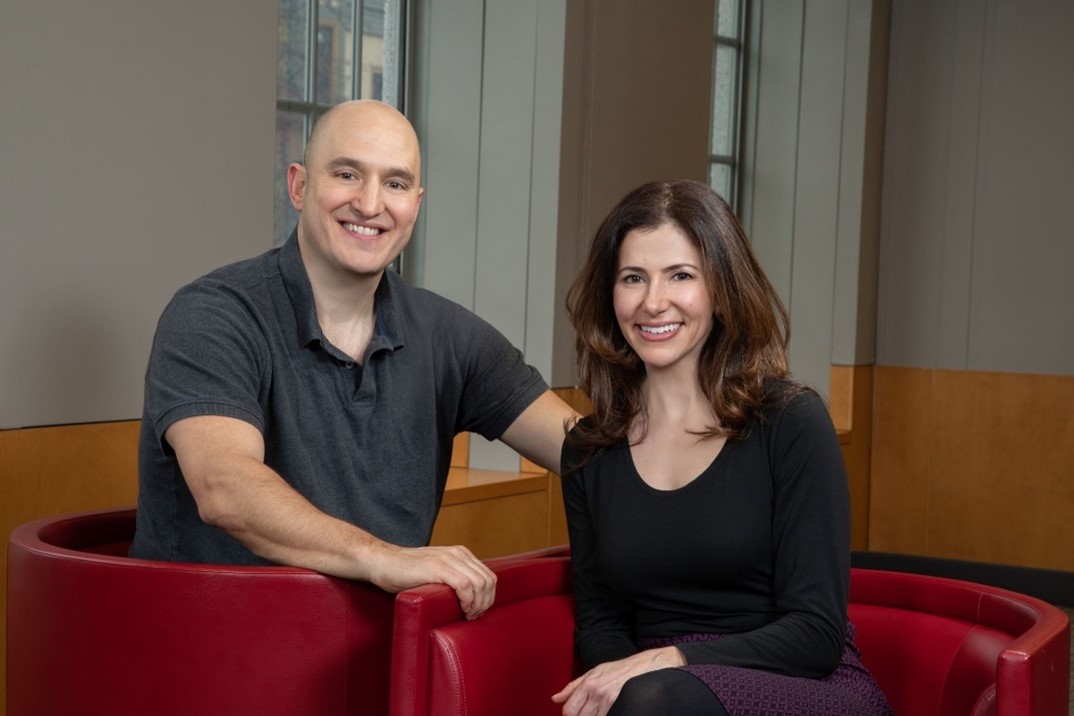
(657, 330)
(361, 230)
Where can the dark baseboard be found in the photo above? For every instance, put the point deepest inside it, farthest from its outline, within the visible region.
(1054, 586)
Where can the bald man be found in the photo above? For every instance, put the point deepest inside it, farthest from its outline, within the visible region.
(300, 406)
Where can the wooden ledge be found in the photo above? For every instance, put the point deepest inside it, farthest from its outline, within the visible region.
(466, 484)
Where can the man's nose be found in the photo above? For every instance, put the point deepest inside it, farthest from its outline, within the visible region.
(368, 200)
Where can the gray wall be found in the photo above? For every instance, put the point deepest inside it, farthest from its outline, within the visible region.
(136, 140)
(977, 245)
(815, 120)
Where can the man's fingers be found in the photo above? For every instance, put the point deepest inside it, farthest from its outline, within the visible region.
(475, 585)
(472, 581)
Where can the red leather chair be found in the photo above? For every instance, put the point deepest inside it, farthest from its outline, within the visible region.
(945, 646)
(510, 661)
(938, 647)
(91, 631)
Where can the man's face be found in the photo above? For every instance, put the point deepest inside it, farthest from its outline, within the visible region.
(358, 193)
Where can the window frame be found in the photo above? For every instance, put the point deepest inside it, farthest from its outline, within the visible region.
(732, 161)
(309, 109)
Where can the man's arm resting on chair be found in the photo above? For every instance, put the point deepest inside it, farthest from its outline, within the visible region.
(222, 460)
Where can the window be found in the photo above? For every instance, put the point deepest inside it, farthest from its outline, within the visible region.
(330, 51)
(727, 68)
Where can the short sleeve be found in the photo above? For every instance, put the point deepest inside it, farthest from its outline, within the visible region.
(209, 357)
(498, 384)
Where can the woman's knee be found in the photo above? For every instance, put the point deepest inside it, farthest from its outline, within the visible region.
(666, 691)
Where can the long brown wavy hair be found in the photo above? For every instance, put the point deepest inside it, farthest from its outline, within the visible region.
(743, 363)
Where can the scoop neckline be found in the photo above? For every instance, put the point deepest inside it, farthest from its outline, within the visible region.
(640, 480)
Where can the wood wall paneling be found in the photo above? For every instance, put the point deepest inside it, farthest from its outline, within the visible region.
(1001, 467)
(899, 474)
(974, 466)
(499, 523)
(850, 405)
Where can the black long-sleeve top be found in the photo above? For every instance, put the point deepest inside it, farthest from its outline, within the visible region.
(757, 547)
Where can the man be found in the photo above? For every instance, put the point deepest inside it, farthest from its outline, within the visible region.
(300, 406)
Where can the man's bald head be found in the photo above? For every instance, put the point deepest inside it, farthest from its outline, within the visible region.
(363, 116)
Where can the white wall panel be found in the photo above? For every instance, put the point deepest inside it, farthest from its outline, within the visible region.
(446, 110)
(487, 100)
(1022, 317)
(812, 177)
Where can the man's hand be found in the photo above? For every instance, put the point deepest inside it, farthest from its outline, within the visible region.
(594, 692)
(394, 569)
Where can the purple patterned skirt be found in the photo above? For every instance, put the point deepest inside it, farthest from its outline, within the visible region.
(850, 690)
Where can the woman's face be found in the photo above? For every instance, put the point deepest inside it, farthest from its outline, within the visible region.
(661, 299)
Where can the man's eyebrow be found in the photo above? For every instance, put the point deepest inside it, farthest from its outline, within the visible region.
(358, 165)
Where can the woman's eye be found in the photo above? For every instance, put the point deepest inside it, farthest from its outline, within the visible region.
(631, 278)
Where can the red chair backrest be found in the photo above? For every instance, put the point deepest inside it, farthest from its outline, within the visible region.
(90, 632)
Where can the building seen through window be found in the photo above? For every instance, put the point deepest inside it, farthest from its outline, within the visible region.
(330, 51)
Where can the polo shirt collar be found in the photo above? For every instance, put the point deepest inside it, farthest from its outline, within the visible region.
(389, 328)
(299, 290)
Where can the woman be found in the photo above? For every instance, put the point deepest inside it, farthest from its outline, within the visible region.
(706, 496)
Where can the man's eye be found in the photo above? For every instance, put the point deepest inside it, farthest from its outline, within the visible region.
(346, 175)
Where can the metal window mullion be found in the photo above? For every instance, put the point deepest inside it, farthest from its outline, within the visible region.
(356, 61)
(312, 54)
(740, 76)
(737, 45)
(312, 51)
(297, 106)
(402, 64)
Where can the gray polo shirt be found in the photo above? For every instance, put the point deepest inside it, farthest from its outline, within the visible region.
(369, 443)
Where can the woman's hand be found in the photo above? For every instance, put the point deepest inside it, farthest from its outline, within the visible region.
(594, 692)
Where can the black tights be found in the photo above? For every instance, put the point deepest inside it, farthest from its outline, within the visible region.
(666, 691)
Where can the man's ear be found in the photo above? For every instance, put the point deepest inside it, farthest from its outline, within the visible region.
(296, 184)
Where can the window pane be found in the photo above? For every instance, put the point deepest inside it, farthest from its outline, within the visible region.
(724, 101)
(290, 138)
(727, 18)
(380, 43)
(335, 51)
(291, 51)
(720, 181)
(373, 50)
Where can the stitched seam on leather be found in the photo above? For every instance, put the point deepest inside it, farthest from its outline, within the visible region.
(955, 654)
(456, 672)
